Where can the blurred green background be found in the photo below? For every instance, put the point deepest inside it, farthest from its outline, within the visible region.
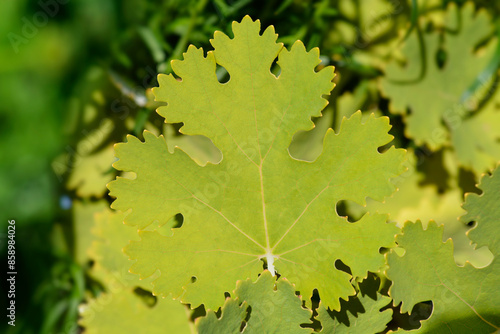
(74, 80)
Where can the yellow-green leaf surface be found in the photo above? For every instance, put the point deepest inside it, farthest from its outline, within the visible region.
(199, 148)
(274, 308)
(124, 311)
(83, 221)
(465, 299)
(433, 100)
(258, 204)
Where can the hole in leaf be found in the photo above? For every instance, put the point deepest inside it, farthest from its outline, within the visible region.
(193, 279)
(264, 263)
(441, 57)
(243, 325)
(199, 148)
(249, 313)
(178, 78)
(482, 257)
(222, 74)
(275, 68)
(383, 250)
(218, 313)
(409, 111)
(129, 175)
(165, 229)
(315, 324)
(146, 296)
(308, 145)
(197, 312)
(325, 61)
(351, 210)
(178, 220)
(227, 295)
(314, 298)
(343, 267)
(247, 318)
(384, 148)
(471, 223)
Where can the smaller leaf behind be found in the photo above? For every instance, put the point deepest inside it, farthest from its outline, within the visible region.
(427, 272)
(366, 315)
(273, 308)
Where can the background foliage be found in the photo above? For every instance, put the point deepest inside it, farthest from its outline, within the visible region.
(76, 78)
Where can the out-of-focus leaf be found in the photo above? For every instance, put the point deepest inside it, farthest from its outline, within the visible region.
(431, 105)
(124, 311)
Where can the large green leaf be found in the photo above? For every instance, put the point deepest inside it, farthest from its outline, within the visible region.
(258, 203)
(465, 299)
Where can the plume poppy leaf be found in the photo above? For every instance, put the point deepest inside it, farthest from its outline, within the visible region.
(258, 204)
